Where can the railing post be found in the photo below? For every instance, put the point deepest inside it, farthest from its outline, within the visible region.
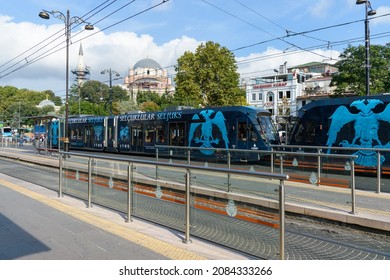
(89, 182)
(60, 163)
(130, 179)
(272, 159)
(378, 173)
(188, 196)
(229, 175)
(353, 186)
(281, 164)
(156, 164)
(281, 220)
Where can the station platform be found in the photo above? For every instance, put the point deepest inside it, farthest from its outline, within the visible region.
(37, 224)
(99, 233)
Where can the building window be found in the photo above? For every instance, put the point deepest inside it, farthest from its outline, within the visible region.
(253, 97)
(280, 94)
(260, 96)
(270, 97)
(288, 94)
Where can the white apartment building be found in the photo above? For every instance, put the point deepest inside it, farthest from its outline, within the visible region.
(288, 89)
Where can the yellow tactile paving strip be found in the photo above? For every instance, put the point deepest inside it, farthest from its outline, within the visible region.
(168, 250)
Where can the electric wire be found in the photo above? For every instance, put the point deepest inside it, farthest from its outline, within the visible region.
(41, 42)
(51, 51)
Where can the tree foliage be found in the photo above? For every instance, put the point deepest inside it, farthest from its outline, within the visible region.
(18, 106)
(95, 98)
(351, 70)
(208, 77)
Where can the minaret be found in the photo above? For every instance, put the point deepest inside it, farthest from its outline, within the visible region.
(82, 71)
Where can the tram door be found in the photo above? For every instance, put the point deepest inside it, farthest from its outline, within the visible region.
(111, 132)
(242, 134)
(137, 138)
(89, 135)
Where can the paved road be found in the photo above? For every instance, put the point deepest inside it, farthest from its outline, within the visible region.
(305, 239)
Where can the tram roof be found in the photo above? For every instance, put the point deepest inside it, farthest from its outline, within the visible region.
(385, 97)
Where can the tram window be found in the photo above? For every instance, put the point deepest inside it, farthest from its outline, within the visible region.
(176, 131)
(73, 134)
(242, 128)
(110, 132)
(252, 134)
(136, 136)
(149, 134)
(310, 132)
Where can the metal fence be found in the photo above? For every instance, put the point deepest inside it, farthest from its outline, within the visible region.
(174, 199)
(377, 168)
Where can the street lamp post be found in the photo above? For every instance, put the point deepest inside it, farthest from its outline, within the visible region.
(276, 113)
(110, 72)
(368, 12)
(68, 22)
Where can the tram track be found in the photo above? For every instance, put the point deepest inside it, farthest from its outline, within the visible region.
(305, 238)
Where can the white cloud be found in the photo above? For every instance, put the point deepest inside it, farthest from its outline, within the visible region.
(118, 51)
(382, 10)
(319, 8)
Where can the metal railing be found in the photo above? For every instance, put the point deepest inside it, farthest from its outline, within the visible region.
(379, 152)
(187, 153)
(124, 177)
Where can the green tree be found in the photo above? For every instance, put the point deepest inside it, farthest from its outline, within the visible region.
(127, 106)
(18, 106)
(149, 106)
(99, 94)
(351, 70)
(208, 77)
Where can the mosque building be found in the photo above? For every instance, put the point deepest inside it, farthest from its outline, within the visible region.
(148, 75)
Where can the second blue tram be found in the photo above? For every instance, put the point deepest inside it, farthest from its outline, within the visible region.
(237, 127)
(351, 122)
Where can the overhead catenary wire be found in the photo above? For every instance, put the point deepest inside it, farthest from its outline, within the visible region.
(41, 42)
(53, 50)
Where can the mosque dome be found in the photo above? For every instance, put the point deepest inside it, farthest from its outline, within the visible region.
(147, 63)
(46, 102)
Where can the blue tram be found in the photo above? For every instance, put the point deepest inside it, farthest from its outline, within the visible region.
(353, 122)
(235, 127)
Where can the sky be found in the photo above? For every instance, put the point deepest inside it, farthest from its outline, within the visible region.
(261, 34)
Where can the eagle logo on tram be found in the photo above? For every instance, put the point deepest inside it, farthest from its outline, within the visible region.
(366, 125)
(207, 130)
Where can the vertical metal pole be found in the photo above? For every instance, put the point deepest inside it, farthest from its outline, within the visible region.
(67, 30)
(353, 186)
(272, 160)
(281, 218)
(130, 178)
(319, 167)
(378, 173)
(61, 176)
(89, 182)
(156, 164)
(187, 222)
(229, 166)
(281, 164)
(367, 50)
(189, 157)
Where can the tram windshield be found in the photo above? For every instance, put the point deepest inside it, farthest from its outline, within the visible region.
(267, 130)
